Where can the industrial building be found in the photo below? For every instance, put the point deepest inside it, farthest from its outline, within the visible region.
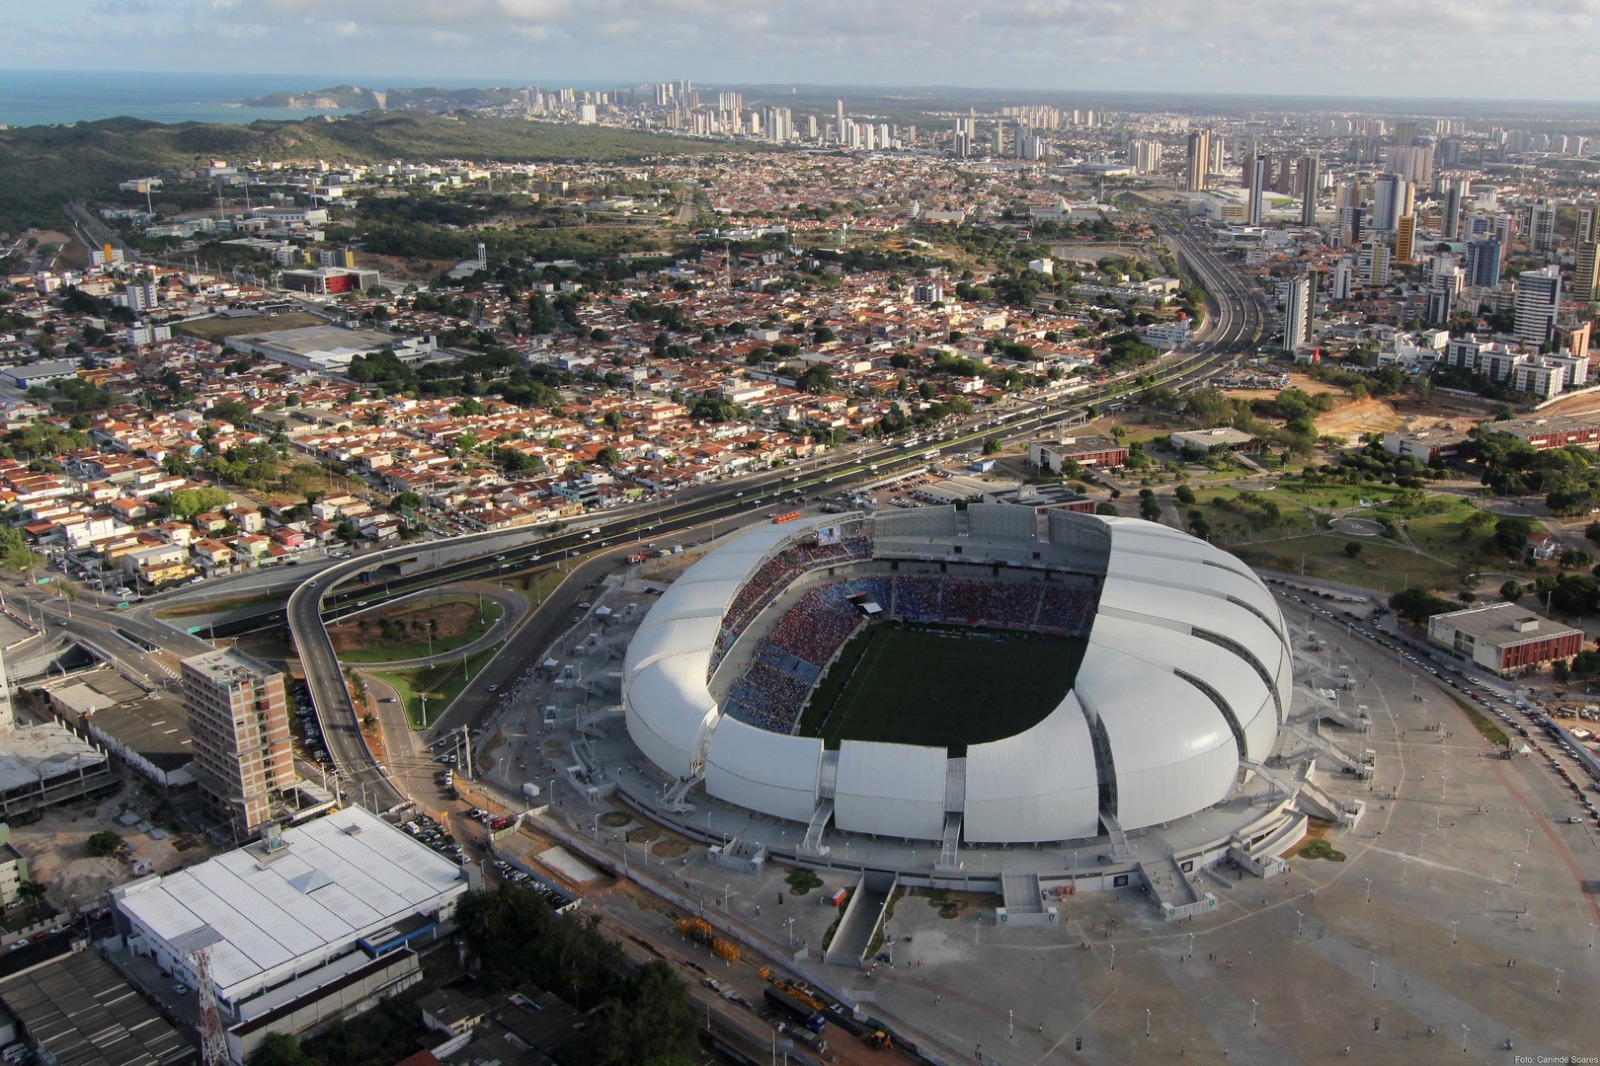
(297, 929)
(78, 1011)
(43, 766)
(1504, 637)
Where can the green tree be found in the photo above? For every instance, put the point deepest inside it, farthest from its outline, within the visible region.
(814, 379)
(15, 555)
(1511, 591)
(992, 446)
(651, 1021)
(101, 844)
(186, 503)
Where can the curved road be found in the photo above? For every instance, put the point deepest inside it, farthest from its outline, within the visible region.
(1235, 326)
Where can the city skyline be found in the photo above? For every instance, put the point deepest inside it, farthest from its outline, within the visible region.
(1492, 50)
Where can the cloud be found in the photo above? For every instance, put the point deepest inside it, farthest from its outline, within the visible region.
(1456, 47)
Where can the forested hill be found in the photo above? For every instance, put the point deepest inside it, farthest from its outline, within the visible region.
(42, 167)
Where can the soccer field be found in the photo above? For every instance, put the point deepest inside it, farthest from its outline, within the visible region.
(933, 686)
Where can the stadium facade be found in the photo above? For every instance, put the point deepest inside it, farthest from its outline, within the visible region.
(1186, 677)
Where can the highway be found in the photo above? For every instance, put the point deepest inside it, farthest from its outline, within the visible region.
(1233, 327)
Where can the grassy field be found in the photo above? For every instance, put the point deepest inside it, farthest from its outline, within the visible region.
(1380, 564)
(195, 610)
(218, 329)
(441, 684)
(941, 686)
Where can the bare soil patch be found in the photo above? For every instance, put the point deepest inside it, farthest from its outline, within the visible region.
(410, 625)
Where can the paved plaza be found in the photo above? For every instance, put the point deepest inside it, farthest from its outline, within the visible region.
(1462, 913)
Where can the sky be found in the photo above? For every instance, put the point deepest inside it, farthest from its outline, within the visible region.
(1490, 49)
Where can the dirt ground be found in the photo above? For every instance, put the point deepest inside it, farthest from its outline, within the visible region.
(397, 271)
(1574, 405)
(454, 618)
(1362, 416)
(55, 847)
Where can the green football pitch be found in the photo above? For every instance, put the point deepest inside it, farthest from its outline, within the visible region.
(941, 686)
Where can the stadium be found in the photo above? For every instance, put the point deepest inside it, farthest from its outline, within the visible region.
(995, 675)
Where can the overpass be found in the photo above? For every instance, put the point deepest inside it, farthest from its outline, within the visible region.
(1233, 327)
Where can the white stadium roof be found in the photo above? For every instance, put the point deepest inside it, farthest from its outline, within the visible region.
(1185, 677)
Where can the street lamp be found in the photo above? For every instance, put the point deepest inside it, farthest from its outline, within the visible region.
(1374, 974)
(1527, 840)
(1191, 941)
(1369, 890)
(1486, 901)
(1559, 972)
(1464, 1032)
(1516, 873)
(1252, 1015)
(1147, 1023)
(1453, 923)
(1299, 924)
(1113, 958)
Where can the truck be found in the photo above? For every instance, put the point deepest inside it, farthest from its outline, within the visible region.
(814, 1041)
(786, 1002)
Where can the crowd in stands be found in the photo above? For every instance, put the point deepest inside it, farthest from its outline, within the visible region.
(773, 690)
(817, 626)
(1067, 610)
(776, 574)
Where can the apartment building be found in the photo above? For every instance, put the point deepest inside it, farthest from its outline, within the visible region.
(239, 718)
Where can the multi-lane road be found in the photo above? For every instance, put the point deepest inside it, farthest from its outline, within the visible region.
(1234, 326)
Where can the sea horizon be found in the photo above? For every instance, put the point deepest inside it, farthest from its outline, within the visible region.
(36, 97)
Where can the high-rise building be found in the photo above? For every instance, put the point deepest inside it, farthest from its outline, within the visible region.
(239, 719)
(1444, 285)
(1343, 274)
(1574, 338)
(1450, 212)
(1542, 227)
(1310, 180)
(1256, 182)
(1373, 264)
(1405, 234)
(1585, 216)
(1199, 170)
(1386, 207)
(1297, 313)
(1505, 230)
(1143, 156)
(1586, 273)
(1538, 296)
(1483, 263)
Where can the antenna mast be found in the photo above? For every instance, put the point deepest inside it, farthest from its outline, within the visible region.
(213, 1041)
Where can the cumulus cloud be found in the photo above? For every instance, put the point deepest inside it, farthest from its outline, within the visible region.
(1456, 47)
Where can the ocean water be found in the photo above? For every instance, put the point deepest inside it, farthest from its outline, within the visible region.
(45, 97)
